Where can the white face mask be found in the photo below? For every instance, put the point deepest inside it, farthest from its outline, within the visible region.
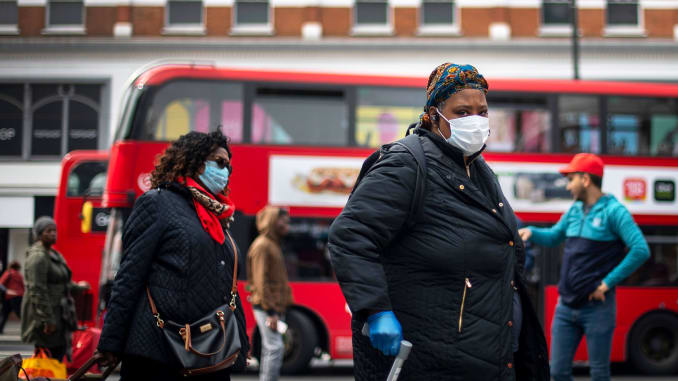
(469, 133)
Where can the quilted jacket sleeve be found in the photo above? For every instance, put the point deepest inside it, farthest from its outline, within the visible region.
(37, 267)
(141, 235)
(373, 216)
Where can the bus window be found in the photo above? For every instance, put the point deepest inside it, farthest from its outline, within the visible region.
(88, 178)
(112, 254)
(193, 105)
(579, 123)
(642, 126)
(662, 267)
(300, 116)
(305, 250)
(383, 114)
(519, 123)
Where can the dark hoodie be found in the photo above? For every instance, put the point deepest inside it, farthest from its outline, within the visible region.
(266, 273)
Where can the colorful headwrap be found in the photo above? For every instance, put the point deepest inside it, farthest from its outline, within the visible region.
(449, 78)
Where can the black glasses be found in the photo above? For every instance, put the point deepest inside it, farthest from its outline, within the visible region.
(224, 163)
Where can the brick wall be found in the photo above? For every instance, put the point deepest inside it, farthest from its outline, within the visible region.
(148, 21)
(100, 20)
(31, 21)
(217, 21)
(337, 21)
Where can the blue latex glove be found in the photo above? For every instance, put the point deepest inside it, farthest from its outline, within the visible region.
(385, 332)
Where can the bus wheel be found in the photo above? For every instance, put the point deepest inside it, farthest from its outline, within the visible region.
(653, 347)
(300, 341)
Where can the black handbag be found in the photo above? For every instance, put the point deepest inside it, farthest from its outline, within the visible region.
(211, 343)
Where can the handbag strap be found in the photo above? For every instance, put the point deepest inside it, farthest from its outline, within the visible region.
(188, 345)
(234, 288)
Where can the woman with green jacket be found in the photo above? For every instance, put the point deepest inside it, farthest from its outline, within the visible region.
(47, 311)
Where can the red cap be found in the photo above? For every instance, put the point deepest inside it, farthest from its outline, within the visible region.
(584, 162)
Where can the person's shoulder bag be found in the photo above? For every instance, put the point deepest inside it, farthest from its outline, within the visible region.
(209, 344)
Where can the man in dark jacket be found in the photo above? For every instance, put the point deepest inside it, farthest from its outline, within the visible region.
(450, 281)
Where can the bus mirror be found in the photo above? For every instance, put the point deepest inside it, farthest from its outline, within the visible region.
(86, 217)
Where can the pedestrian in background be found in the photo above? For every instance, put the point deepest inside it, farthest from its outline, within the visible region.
(449, 284)
(270, 292)
(13, 283)
(596, 230)
(47, 311)
(176, 247)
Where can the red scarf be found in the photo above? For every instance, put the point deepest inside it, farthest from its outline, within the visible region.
(212, 222)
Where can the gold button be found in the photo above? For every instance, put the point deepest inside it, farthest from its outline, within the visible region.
(510, 323)
(461, 187)
(510, 243)
(494, 210)
(501, 204)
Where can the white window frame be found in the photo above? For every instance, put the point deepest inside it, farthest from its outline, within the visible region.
(193, 29)
(637, 30)
(262, 29)
(553, 30)
(445, 29)
(10, 29)
(385, 29)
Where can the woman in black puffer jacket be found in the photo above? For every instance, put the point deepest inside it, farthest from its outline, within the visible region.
(177, 244)
(450, 283)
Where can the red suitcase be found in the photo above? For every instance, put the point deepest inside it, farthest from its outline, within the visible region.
(84, 344)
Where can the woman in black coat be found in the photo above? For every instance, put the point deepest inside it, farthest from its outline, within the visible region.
(450, 282)
(176, 243)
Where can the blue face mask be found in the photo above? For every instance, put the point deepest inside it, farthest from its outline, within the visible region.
(214, 178)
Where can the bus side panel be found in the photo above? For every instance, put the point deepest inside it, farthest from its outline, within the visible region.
(326, 300)
(632, 304)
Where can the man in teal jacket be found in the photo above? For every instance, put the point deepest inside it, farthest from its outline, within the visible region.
(596, 229)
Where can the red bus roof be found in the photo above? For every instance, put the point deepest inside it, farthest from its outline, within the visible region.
(161, 74)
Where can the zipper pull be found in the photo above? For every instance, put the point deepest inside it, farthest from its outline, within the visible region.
(468, 283)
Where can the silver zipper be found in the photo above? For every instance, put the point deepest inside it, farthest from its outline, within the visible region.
(467, 285)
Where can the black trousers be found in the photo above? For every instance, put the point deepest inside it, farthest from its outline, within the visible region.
(9, 305)
(136, 368)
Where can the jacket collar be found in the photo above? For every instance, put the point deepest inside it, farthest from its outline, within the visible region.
(448, 149)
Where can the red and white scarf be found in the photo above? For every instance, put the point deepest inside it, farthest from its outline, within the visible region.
(213, 212)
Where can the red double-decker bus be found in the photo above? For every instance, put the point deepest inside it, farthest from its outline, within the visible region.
(298, 140)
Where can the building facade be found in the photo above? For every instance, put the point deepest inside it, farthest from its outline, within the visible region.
(316, 19)
(64, 64)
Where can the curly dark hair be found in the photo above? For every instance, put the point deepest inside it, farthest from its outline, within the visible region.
(187, 155)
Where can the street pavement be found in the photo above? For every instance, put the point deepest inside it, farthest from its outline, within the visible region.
(10, 343)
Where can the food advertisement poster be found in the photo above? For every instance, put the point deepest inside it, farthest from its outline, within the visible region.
(317, 181)
(326, 181)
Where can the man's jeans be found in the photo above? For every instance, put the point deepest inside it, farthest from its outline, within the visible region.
(272, 349)
(596, 320)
